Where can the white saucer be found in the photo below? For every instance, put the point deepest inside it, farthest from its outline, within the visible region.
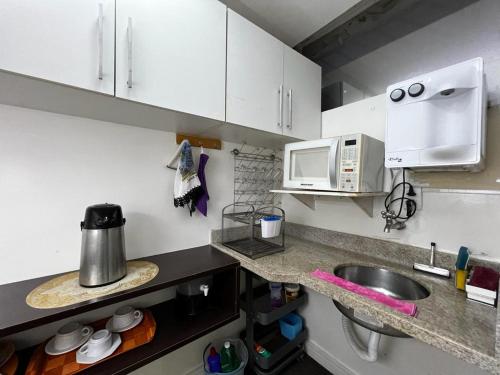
(50, 349)
(84, 358)
(135, 323)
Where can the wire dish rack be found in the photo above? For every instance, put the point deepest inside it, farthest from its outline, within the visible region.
(250, 242)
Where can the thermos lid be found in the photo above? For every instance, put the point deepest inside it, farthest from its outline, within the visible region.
(103, 216)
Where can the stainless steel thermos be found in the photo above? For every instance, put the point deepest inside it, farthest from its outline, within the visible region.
(102, 260)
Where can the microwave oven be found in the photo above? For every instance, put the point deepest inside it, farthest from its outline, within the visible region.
(349, 163)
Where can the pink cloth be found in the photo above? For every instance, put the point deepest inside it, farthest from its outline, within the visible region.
(407, 308)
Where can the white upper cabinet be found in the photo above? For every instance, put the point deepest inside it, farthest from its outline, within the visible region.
(195, 57)
(270, 86)
(254, 76)
(302, 93)
(69, 42)
(172, 54)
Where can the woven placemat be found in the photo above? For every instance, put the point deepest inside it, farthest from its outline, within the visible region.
(65, 290)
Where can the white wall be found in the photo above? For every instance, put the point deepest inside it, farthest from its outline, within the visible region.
(468, 33)
(53, 166)
(367, 116)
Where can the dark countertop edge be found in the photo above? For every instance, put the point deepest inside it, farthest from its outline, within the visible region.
(226, 262)
(480, 359)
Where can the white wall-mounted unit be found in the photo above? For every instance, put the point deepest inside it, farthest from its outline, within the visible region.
(436, 121)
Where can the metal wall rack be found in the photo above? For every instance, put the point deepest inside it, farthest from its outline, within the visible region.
(256, 172)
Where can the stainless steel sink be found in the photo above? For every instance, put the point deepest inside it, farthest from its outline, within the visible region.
(384, 281)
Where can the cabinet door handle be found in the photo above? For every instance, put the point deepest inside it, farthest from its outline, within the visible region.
(100, 44)
(290, 122)
(280, 93)
(129, 57)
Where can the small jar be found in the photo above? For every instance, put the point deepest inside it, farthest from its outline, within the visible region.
(291, 292)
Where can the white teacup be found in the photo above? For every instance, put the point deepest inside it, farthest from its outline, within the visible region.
(98, 343)
(124, 317)
(70, 335)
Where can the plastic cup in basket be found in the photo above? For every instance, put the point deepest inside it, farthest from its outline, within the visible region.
(271, 226)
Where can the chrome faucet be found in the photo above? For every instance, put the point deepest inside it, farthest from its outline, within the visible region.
(391, 222)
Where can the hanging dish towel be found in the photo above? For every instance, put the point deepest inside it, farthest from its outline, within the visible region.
(201, 201)
(187, 186)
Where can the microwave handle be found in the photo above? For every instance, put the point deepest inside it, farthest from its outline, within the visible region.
(333, 161)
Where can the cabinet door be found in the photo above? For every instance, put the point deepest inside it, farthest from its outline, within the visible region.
(302, 93)
(69, 42)
(172, 54)
(254, 76)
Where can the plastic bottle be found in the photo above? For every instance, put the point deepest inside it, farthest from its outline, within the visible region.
(262, 351)
(213, 361)
(276, 298)
(228, 359)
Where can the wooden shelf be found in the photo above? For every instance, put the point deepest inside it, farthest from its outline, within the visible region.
(171, 334)
(309, 197)
(175, 268)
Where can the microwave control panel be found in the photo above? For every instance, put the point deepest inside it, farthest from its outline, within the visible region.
(349, 163)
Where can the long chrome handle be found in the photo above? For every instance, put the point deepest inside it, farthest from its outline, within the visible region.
(100, 45)
(280, 93)
(333, 163)
(290, 121)
(433, 250)
(129, 40)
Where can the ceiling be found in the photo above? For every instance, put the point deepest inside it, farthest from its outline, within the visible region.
(291, 21)
(378, 25)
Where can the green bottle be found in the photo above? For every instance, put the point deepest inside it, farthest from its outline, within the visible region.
(228, 359)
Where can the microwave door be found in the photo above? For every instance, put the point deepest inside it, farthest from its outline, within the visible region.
(310, 165)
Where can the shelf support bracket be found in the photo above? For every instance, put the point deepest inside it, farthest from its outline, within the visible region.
(308, 200)
(365, 203)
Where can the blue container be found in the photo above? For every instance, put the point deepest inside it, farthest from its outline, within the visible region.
(291, 325)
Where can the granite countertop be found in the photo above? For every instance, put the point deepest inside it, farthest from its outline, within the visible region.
(446, 320)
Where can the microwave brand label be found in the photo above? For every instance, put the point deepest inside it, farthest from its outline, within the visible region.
(399, 160)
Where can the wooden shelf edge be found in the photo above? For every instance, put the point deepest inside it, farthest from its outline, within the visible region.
(164, 342)
(179, 263)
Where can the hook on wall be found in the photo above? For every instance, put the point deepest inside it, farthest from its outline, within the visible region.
(195, 141)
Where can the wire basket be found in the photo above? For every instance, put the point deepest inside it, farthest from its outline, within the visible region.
(249, 241)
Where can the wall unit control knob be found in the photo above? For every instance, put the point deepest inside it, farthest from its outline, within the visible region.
(416, 89)
(397, 95)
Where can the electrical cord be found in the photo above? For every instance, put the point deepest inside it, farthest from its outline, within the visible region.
(411, 204)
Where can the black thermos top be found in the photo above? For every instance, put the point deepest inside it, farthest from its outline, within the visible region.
(103, 216)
